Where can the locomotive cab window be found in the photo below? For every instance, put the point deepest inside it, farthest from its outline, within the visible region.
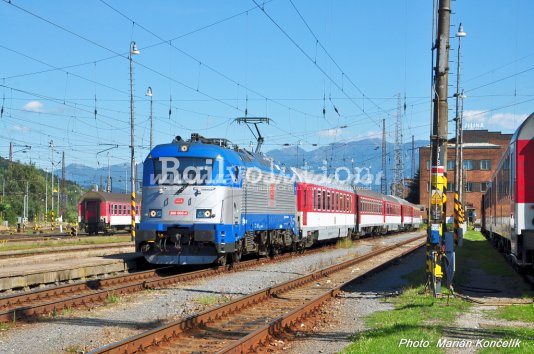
(187, 170)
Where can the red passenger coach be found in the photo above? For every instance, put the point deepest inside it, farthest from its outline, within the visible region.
(372, 218)
(105, 212)
(508, 205)
(325, 208)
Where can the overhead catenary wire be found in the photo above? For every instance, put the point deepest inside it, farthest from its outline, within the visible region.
(314, 62)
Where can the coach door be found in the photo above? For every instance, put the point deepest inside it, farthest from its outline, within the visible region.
(92, 211)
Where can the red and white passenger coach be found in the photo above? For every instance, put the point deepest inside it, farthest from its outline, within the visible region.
(105, 212)
(328, 209)
(508, 205)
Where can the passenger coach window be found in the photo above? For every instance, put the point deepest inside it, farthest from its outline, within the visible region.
(328, 201)
(324, 201)
(304, 197)
(314, 199)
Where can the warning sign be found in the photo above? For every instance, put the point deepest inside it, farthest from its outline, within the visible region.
(437, 197)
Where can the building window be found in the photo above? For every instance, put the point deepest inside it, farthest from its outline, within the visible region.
(485, 164)
(450, 165)
(468, 165)
(450, 186)
(469, 186)
(484, 186)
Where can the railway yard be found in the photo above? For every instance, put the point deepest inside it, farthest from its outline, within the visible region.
(251, 186)
(320, 305)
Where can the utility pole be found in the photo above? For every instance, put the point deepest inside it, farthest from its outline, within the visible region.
(108, 184)
(57, 215)
(10, 154)
(398, 170)
(25, 209)
(458, 163)
(149, 94)
(438, 238)
(133, 51)
(52, 177)
(413, 158)
(384, 178)
(461, 137)
(46, 194)
(63, 195)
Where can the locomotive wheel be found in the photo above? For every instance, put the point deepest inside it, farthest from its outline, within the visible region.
(222, 260)
(236, 256)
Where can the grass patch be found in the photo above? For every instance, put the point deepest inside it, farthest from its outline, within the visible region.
(416, 315)
(212, 299)
(67, 312)
(74, 349)
(345, 242)
(416, 277)
(112, 298)
(477, 251)
(97, 240)
(525, 335)
(524, 313)
(4, 326)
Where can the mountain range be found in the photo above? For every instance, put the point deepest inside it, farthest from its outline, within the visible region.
(364, 156)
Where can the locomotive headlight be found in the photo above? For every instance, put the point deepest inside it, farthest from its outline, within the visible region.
(204, 213)
(154, 213)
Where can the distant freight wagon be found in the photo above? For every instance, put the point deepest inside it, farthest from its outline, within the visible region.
(105, 212)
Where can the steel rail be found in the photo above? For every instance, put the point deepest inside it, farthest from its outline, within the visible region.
(29, 305)
(53, 250)
(161, 337)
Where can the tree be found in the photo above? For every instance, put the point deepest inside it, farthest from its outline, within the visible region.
(413, 193)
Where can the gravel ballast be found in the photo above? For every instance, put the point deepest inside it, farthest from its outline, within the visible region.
(86, 330)
(344, 316)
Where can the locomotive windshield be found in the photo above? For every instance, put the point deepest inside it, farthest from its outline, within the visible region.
(182, 171)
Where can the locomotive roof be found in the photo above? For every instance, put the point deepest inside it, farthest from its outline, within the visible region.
(234, 155)
(525, 130)
(109, 197)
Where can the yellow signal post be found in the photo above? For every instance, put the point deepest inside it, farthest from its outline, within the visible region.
(438, 199)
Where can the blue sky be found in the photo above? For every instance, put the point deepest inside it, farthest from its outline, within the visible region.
(223, 52)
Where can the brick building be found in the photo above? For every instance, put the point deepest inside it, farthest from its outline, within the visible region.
(482, 152)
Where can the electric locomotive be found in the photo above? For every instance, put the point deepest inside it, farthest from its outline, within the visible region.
(207, 201)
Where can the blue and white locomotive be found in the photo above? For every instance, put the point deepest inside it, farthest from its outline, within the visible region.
(205, 201)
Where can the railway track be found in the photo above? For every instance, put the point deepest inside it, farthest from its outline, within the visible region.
(51, 250)
(30, 305)
(46, 237)
(245, 324)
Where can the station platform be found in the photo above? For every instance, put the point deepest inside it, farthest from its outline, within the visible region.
(51, 254)
(82, 266)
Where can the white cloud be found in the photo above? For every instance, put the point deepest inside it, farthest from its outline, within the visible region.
(33, 106)
(371, 134)
(496, 121)
(20, 128)
(330, 133)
